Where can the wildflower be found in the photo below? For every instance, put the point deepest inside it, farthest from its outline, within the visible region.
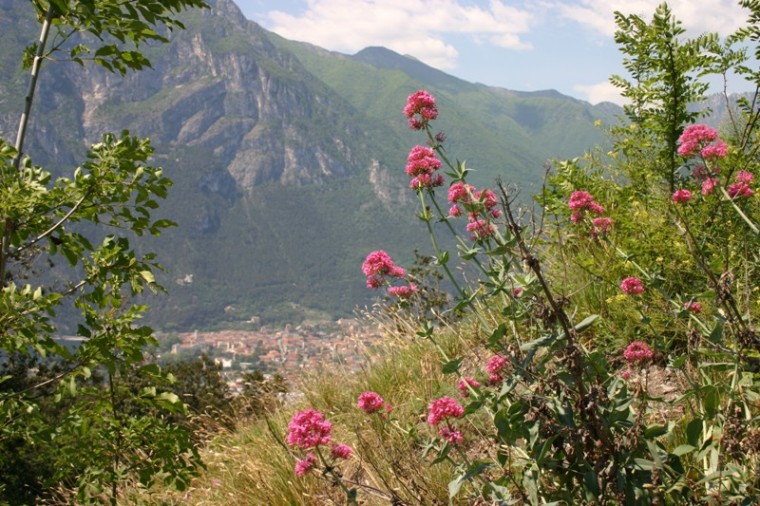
(460, 192)
(480, 229)
(443, 408)
(694, 138)
(304, 466)
(708, 185)
(426, 181)
(309, 429)
(455, 211)
(369, 402)
(465, 384)
(420, 108)
(452, 436)
(681, 196)
(740, 190)
(693, 306)
(637, 352)
(601, 225)
(493, 379)
(580, 200)
(403, 292)
(717, 150)
(377, 266)
(744, 177)
(496, 364)
(595, 208)
(626, 374)
(517, 292)
(632, 286)
(342, 452)
(422, 160)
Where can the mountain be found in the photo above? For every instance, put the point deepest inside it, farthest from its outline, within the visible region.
(287, 158)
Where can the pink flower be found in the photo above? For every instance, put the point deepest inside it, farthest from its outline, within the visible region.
(422, 160)
(480, 229)
(745, 177)
(596, 208)
(580, 200)
(708, 185)
(463, 387)
(369, 402)
(403, 292)
(693, 307)
(426, 181)
(377, 266)
(496, 364)
(626, 374)
(495, 378)
(342, 452)
(740, 190)
(455, 211)
(309, 429)
(576, 217)
(443, 408)
(632, 286)
(681, 196)
(637, 352)
(304, 466)
(694, 138)
(717, 150)
(420, 108)
(452, 436)
(460, 192)
(601, 225)
(517, 292)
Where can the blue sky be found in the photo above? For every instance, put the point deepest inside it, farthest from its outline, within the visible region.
(520, 45)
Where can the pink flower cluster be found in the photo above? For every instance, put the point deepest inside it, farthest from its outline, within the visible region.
(495, 368)
(443, 408)
(440, 410)
(637, 352)
(305, 465)
(693, 306)
(379, 265)
(371, 402)
(421, 166)
(403, 291)
(681, 196)
(741, 187)
(698, 140)
(481, 207)
(419, 109)
(309, 429)
(465, 384)
(581, 201)
(632, 286)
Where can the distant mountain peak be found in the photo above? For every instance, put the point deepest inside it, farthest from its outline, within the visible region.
(387, 59)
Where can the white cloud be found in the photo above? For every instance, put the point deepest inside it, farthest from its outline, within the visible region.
(600, 92)
(416, 27)
(697, 16)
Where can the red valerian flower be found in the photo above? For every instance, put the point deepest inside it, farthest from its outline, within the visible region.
(637, 352)
(443, 408)
(309, 429)
(419, 109)
(632, 286)
(681, 196)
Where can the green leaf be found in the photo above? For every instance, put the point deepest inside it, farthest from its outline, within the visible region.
(694, 432)
(655, 431)
(683, 450)
(452, 366)
(586, 323)
(148, 276)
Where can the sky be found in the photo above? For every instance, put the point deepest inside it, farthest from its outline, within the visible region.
(519, 45)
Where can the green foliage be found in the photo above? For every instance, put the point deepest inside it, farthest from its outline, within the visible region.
(94, 442)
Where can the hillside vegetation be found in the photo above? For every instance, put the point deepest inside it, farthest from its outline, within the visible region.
(607, 352)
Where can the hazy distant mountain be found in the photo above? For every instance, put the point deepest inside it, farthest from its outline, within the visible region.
(287, 158)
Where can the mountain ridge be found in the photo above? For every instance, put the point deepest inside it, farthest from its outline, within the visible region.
(287, 158)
